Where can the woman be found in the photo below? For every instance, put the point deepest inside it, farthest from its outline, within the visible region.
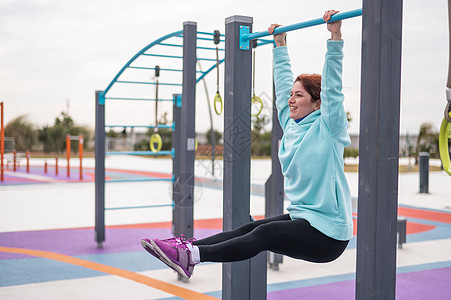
(319, 224)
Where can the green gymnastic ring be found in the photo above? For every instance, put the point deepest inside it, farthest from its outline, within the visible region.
(156, 139)
(218, 99)
(256, 99)
(444, 136)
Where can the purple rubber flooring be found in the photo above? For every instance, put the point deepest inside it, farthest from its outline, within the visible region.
(430, 284)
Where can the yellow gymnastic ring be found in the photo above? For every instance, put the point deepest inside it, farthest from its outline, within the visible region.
(444, 136)
(155, 139)
(217, 99)
(256, 99)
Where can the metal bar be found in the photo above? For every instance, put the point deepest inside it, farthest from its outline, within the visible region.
(137, 99)
(161, 69)
(170, 45)
(100, 170)
(162, 55)
(139, 180)
(184, 210)
(157, 41)
(140, 153)
(207, 39)
(208, 33)
(142, 206)
(208, 71)
(379, 149)
(141, 126)
(305, 24)
(146, 82)
(209, 48)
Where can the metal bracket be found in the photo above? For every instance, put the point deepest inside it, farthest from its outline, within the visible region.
(244, 32)
(102, 98)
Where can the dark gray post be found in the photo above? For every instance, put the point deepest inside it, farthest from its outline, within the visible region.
(379, 149)
(274, 192)
(183, 207)
(424, 172)
(176, 112)
(100, 169)
(237, 283)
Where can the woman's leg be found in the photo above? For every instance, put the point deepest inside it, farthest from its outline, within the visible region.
(294, 238)
(246, 228)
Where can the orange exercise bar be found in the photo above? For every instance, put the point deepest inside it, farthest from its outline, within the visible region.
(68, 154)
(28, 161)
(2, 144)
(80, 152)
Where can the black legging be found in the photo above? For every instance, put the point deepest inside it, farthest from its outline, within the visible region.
(294, 238)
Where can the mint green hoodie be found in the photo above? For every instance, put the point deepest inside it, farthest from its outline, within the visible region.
(311, 151)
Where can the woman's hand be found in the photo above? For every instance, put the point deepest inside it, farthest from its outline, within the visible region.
(280, 38)
(334, 27)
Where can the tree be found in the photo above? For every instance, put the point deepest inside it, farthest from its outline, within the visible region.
(218, 136)
(23, 132)
(427, 140)
(54, 137)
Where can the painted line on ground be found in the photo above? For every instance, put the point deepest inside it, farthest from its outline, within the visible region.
(154, 283)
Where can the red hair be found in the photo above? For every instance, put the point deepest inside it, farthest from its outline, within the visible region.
(312, 84)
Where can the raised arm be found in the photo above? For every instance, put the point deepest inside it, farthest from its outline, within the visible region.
(332, 109)
(283, 76)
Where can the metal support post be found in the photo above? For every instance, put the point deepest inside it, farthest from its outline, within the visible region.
(379, 149)
(100, 169)
(184, 183)
(424, 172)
(274, 192)
(245, 279)
(176, 111)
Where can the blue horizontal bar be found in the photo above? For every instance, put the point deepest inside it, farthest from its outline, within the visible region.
(161, 69)
(310, 23)
(139, 180)
(207, 39)
(179, 57)
(208, 33)
(139, 99)
(170, 45)
(143, 206)
(207, 59)
(145, 82)
(162, 55)
(209, 48)
(166, 152)
(203, 39)
(261, 42)
(141, 126)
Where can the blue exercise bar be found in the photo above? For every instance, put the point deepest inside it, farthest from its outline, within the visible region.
(146, 82)
(137, 99)
(142, 206)
(140, 153)
(179, 57)
(140, 180)
(337, 17)
(140, 126)
(209, 33)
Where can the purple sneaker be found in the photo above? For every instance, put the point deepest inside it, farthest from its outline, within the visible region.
(147, 245)
(175, 254)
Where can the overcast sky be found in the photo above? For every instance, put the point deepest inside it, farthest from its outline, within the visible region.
(55, 54)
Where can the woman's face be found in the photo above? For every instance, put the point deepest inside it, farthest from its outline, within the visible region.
(300, 102)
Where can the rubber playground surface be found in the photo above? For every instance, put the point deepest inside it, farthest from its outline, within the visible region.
(47, 248)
